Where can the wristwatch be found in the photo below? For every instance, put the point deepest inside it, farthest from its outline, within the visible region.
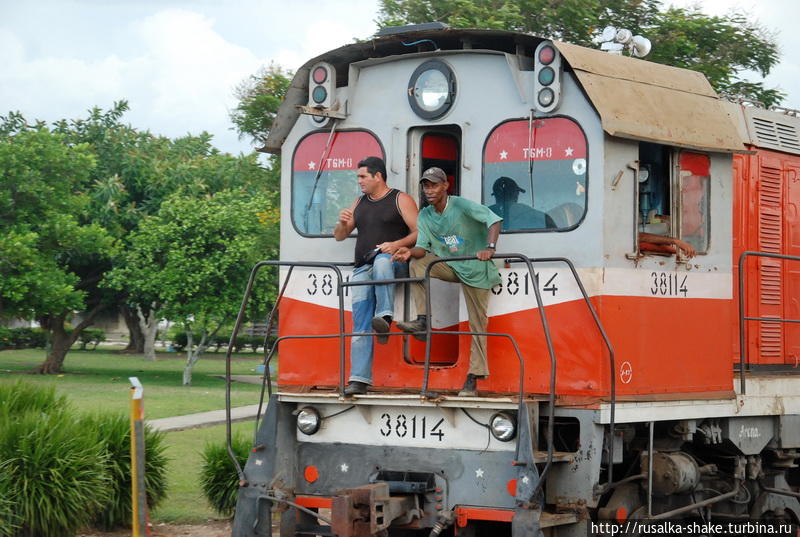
(491, 246)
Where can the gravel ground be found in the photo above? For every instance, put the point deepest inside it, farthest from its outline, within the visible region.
(209, 529)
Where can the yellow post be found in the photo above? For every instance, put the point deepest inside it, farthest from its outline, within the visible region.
(138, 493)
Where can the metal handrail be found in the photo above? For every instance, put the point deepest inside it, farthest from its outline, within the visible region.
(341, 284)
(237, 325)
(742, 304)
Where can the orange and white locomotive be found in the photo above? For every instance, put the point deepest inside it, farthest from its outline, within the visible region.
(621, 385)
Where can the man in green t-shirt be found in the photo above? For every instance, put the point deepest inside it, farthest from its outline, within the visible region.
(452, 226)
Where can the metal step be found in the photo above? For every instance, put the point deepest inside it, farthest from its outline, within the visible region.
(548, 520)
(311, 529)
(558, 456)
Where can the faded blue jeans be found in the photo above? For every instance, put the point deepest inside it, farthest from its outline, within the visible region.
(371, 301)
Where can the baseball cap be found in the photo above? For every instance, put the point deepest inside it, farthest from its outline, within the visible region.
(504, 185)
(434, 175)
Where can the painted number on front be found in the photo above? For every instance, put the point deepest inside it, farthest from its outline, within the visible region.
(411, 426)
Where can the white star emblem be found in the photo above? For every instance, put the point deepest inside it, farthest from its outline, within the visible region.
(568, 152)
(503, 155)
(479, 472)
(312, 165)
(525, 480)
(344, 468)
(259, 462)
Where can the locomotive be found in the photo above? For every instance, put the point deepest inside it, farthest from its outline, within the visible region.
(629, 383)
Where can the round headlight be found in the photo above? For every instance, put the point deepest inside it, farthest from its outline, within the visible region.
(431, 89)
(503, 427)
(308, 420)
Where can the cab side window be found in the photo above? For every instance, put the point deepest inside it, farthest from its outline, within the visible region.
(673, 197)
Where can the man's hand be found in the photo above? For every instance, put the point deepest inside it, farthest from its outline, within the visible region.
(686, 249)
(485, 255)
(388, 247)
(402, 254)
(345, 217)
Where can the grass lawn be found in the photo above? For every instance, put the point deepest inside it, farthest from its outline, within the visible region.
(185, 503)
(98, 379)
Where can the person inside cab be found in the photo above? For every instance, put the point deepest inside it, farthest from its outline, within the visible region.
(516, 215)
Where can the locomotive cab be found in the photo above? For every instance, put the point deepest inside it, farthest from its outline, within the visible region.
(609, 350)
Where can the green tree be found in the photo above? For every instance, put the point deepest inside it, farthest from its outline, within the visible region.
(260, 95)
(194, 258)
(52, 255)
(719, 47)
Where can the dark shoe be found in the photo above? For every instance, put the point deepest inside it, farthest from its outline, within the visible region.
(355, 388)
(417, 325)
(470, 388)
(381, 328)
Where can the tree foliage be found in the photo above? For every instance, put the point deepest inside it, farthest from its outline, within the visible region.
(722, 48)
(260, 95)
(194, 258)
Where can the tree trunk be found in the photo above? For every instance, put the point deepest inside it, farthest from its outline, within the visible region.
(61, 341)
(136, 340)
(148, 324)
(193, 354)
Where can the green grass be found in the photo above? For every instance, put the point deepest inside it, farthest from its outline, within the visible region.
(185, 503)
(99, 380)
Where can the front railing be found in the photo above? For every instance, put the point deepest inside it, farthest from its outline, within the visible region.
(424, 392)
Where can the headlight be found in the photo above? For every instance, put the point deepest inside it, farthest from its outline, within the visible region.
(308, 420)
(503, 427)
(432, 89)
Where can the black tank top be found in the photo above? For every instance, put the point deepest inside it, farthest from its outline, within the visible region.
(377, 221)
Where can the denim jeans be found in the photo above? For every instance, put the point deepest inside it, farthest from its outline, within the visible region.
(371, 301)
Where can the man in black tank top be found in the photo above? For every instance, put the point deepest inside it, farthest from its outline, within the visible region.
(386, 220)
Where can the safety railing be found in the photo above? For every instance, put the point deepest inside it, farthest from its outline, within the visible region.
(342, 335)
(743, 362)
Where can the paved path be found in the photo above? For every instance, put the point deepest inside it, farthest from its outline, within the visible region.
(204, 419)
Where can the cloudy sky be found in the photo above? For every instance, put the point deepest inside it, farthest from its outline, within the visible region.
(178, 61)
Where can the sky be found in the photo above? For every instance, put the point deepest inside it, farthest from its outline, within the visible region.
(177, 62)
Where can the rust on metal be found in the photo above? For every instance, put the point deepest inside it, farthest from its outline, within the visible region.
(647, 101)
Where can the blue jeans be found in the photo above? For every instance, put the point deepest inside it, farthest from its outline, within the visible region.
(371, 301)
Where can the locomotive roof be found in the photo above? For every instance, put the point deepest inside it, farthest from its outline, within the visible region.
(635, 98)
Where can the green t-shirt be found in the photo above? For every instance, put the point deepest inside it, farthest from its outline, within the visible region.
(460, 230)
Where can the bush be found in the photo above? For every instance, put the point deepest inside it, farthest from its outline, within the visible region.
(114, 432)
(20, 397)
(54, 472)
(218, 477)
(6, 339)
(91, 336)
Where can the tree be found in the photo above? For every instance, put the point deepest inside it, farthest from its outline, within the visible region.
(260, 95)
(52, 255)
(719, 47)
(194, 258)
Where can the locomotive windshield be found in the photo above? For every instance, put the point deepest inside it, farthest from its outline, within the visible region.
(535, 174)
(324, 177)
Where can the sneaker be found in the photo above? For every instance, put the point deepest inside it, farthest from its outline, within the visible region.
(381, 328)
(417, 325)
(355, 388)
(470, 388)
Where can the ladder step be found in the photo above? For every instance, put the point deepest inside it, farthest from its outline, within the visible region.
(311, 529)
(548, 520)
(558, 456)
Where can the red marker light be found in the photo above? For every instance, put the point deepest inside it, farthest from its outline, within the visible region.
(311, 473)
(319, 75)
(547, 55)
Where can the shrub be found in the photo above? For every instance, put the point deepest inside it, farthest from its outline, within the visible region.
(113, 432)
(54, 470)
(218, 477)
(20, 397)
(9, 519)
(6, 339)
(91, 336)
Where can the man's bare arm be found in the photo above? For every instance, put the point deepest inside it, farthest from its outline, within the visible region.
(409, 212)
